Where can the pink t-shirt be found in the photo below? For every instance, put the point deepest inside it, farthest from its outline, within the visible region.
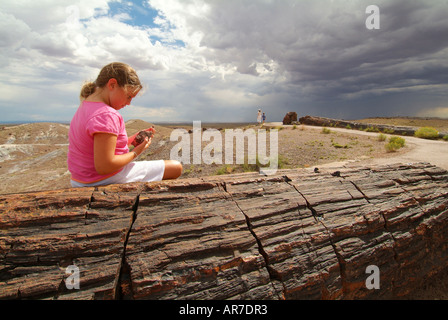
(90, 118)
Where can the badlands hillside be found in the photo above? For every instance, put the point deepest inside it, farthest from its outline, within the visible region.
(33, 156)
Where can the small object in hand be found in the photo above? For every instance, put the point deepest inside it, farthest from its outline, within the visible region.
(141, 137)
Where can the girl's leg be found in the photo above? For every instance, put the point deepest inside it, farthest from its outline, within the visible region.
(173, 169)
(141, 171)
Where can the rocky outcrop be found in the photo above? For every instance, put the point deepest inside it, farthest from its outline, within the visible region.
(327, 122)
(298, 234)
(290, 118)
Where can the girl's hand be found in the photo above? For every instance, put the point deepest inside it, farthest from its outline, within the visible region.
(132, 139)
(151, 130)
(142, 146)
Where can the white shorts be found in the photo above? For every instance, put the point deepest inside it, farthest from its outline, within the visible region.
(139, 171)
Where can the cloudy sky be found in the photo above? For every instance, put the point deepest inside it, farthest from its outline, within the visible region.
(221, 60)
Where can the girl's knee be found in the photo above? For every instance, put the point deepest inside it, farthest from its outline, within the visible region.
(173, 169)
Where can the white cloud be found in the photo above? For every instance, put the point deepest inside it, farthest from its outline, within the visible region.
(159, 114)
(9, 22)
(43, 16)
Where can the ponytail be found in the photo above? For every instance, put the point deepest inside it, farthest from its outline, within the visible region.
(87, 89)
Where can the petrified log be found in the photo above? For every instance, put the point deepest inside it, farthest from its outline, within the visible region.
(298, 234)
(327, 122)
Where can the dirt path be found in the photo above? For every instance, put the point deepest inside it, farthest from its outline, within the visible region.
(423, 150)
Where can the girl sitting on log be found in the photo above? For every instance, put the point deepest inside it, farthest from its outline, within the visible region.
(98, 152)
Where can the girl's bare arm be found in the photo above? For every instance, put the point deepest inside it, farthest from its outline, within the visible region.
(106, 161)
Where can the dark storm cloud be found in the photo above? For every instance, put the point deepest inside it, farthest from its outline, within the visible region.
(325, 49)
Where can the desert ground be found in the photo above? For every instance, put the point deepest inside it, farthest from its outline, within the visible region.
(33, 156)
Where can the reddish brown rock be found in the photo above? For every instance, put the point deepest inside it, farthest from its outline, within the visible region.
(141, 137)
(290, 118)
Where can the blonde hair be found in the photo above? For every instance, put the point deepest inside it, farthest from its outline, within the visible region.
(125, 75)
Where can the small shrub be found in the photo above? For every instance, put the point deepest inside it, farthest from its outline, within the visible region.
(394, 144)
(427, 133)
(382, 137)
(445, 137)
(187, 171)
(389, 131)
(398, 140)
(339, 146)
(326, 130)
(227, 169)
(282, 162)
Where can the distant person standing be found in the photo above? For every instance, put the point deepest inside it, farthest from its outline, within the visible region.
(264, 117)
(259, 116)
